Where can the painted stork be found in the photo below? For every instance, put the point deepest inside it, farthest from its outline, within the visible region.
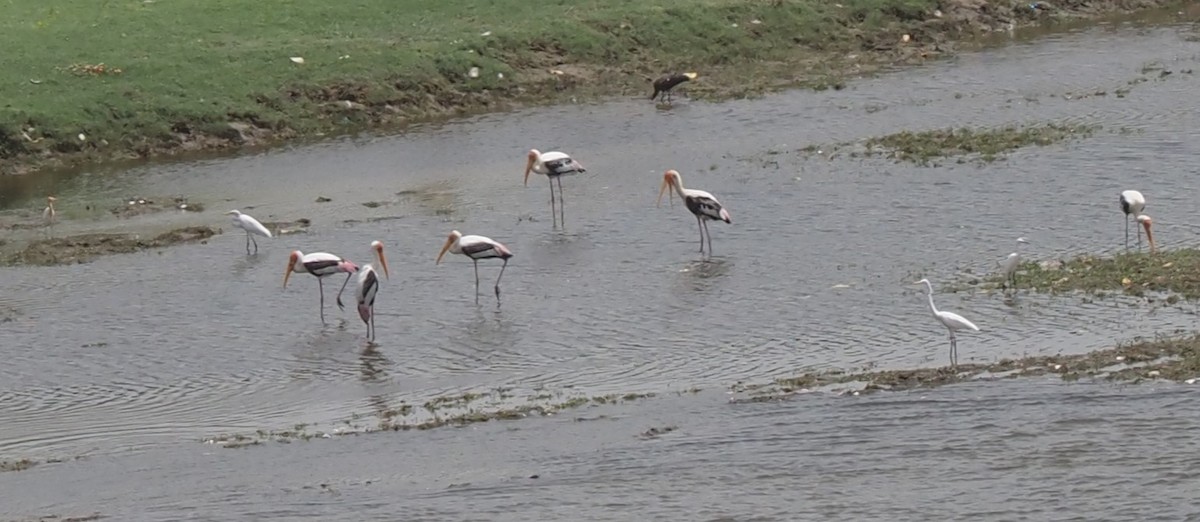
(952, 321)
(663, 85)
(1146, 222)
(320, 265)
(702, 204)
(367, 287)
(1132, 204)
(476, 248)
(251, 226)
(554, 165)
(1009, 266)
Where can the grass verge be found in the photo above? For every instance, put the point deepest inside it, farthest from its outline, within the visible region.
(1175, 273)
(93, 80)
(1175, 359)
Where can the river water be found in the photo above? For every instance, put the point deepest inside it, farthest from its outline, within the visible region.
(130, 361)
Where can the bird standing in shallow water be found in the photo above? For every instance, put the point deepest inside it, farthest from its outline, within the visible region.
(1145, 221)
(49, 215)
(476, 248)
(1009, 266)
(950, 320)
(663, 85)
(1132, 204)
(320, 265)
(251, 226)
(701, 204)
(554, 165)
(367, 288)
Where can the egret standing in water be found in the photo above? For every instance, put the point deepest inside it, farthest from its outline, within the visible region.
(251, 226)
(952, 321)
(1132, 204)
(1009, 266)
(49, 214)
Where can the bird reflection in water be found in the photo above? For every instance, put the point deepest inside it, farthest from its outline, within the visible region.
(701, 275)
(373, 364)
(245, 264)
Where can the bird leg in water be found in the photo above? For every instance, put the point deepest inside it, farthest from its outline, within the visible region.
(1126, 231)
(708, 235)
(498, 282)
(700, 225)
(321, 288)
(561, 204)
(339, 296)
(553, 213)
(476, 261)
(953, 350)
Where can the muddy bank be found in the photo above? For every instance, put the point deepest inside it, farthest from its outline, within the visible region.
(1168, 274)
(775, 47)
(86, 247)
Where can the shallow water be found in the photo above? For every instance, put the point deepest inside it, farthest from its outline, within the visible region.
(132, 359)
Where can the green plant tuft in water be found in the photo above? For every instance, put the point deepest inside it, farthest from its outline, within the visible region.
(1173, 272)
(986, 145)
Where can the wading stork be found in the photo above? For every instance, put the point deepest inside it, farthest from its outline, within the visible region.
(701, 204)
(554, 165)
(367, 287)
(476, 248)
(320, 265)
(1132, 204)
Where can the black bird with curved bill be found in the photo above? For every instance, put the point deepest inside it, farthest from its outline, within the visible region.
(663, 86)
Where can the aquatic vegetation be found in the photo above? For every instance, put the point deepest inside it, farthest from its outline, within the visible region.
(452, 410)
(1172, 272)
(86, 247)
(982, 145)
(1175, 359)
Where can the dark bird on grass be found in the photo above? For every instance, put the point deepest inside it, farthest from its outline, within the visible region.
(663, 86)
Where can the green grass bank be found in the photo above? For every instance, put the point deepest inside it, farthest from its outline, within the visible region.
(88, 80)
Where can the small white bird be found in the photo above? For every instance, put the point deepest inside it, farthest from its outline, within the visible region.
(554, 165)
(251, 226)
(1009, 266)
(48, 213)
(700, 203)
(1132, 204)
(476, 248)
(952, 321)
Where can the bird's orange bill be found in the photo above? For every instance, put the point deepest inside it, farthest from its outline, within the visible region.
(529, 167)
(445, 247)
(290, 266)
(382, 261)
(1149, 235)
(690, 75)
(670, 193)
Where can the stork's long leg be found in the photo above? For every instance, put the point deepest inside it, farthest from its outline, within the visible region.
(553, 214)
(1126, 231)
(700, 226)
(708, 235)
(562, 203)
(498, 281)
(476, 261)
(339, 296)
(321, 287)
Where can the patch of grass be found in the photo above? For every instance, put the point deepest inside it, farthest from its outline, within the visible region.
(1174, 272)
(1167, 358)
(91, 80)
(985, 145)
(86, 247)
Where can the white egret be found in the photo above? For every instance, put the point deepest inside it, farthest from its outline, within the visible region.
(952, 321)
